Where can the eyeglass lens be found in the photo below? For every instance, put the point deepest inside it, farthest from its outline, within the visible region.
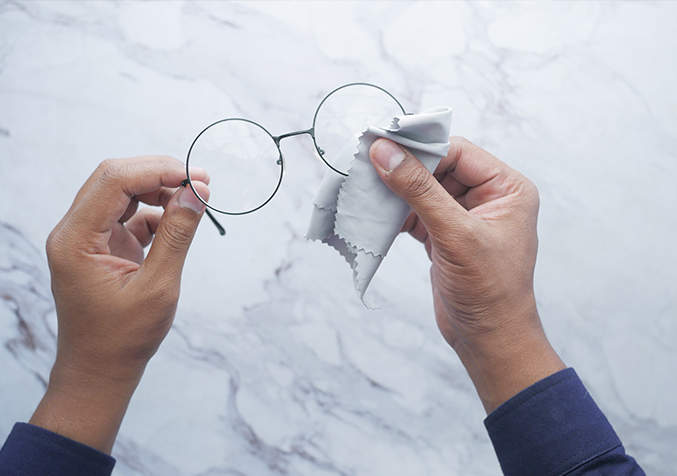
(243, 163)
(345, 114)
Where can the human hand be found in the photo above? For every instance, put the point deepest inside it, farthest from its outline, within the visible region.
(477, 219)
(114, 307)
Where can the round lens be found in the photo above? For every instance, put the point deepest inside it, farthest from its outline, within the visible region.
(342, 117)
(243, 162)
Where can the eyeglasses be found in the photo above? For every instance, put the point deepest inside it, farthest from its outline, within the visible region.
(245, 161)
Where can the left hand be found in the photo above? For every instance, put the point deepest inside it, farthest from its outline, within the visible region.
(114, 307)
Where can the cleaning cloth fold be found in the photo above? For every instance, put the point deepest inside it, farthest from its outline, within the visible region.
(358, 214)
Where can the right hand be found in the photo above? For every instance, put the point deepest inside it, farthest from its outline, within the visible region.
(477, 219)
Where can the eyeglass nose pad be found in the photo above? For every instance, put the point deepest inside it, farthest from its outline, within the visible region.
(319, 153)
(281, 158)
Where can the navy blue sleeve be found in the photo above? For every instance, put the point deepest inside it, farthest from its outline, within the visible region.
(554, 428)
(34, 451)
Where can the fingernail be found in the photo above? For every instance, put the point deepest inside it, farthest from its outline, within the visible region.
(388, 155)
(188, 199)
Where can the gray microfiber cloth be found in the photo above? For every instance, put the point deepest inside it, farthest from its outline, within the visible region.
(358, 214)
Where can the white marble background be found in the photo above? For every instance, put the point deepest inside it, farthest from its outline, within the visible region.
(274, 366)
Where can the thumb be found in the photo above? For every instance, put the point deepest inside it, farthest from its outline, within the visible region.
(175, 233)
(404, 174)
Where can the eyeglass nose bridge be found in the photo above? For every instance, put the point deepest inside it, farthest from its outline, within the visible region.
(311, 133)
(277, 139)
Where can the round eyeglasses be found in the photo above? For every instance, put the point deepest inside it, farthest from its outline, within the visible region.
(245, 161)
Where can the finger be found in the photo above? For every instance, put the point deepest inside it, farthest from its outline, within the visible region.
(415, 227)
(124, 245)
(409, 223)
(469, 164)
(441, 215)
(144, 224)
(112, 192)
(174, 235)
(197, 173)
(160, 197)
(88, 184)
(428, 247)
(131, 210)
(157, 198)
(455, 188)
(474, 176)
(115, 162)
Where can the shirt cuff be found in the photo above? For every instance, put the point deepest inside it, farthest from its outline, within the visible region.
(31, 450)
(550, 428)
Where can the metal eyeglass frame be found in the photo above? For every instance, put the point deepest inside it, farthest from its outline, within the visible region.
(280, 161)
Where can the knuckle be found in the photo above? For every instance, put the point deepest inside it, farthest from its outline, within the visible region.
(532, 191)
(177, 234)
(105, 164)
(52, 245)
(529, 192)
(461, 144)
(161, 163)
(58, 250)
(113, 172)
(419, 183)
(166, 160)
(460, 140)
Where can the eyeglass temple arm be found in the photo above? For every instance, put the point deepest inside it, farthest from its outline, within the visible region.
(222, 230)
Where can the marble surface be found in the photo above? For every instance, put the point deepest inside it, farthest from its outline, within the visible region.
(274, 366)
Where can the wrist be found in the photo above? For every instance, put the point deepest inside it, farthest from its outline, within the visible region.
(86, 406)
(503, 363)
